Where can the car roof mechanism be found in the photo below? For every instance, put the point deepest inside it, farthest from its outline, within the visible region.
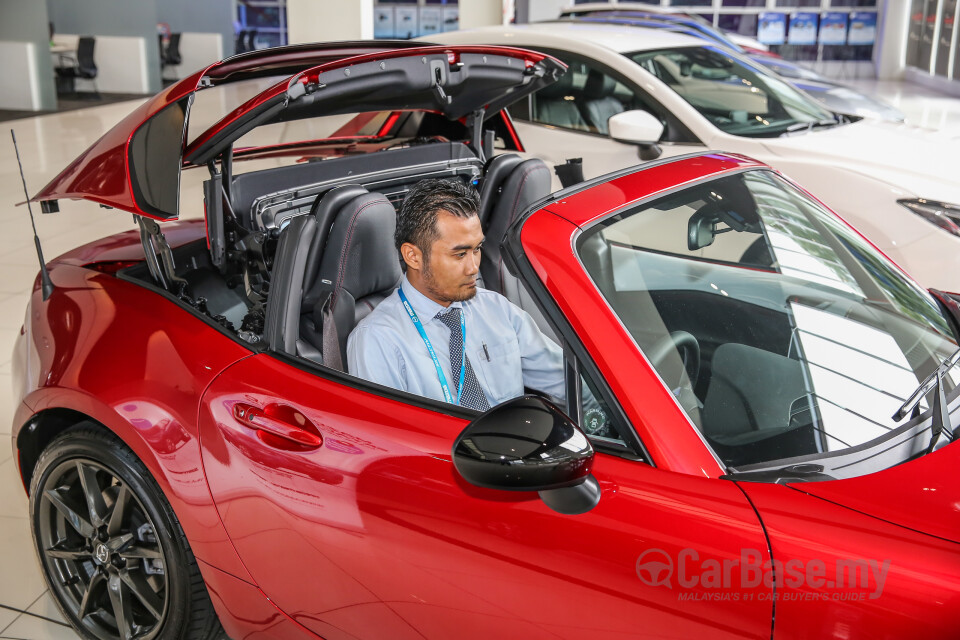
(158, 254)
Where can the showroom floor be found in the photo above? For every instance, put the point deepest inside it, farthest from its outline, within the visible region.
(47, 144)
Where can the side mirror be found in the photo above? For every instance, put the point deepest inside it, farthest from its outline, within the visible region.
(527, 444)
(637, 127)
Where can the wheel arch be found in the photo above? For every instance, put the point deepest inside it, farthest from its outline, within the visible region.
(174, 463)
(39, 431)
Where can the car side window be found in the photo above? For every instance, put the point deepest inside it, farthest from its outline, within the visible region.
(596, 418)
(585, 98)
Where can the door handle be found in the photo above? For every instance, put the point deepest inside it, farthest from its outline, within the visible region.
(256, 419)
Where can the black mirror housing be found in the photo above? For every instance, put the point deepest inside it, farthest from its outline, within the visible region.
(524, 444)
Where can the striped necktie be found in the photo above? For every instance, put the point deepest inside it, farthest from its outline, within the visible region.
(472, 395)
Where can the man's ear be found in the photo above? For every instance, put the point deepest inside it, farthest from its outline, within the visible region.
(412, 256)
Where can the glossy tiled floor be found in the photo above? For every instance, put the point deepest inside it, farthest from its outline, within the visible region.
(47, 144)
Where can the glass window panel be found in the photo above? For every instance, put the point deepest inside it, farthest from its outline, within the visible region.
(947, 17)
(808, 338)
(745, 25)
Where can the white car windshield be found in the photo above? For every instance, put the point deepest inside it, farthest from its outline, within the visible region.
(739, 99)
(783, 334)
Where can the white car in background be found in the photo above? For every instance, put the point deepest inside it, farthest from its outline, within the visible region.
(635, 94)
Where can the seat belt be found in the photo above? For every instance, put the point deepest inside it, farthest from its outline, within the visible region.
(331, 337)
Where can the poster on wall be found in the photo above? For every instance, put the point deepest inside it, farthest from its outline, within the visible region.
(383, 22)
(431, 20)
(803, 28)
(772, 28)
(833, 28)
(405, 24)
(451, 18)
(863, 28)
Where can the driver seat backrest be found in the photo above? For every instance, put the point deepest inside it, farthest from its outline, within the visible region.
(502, 201)
(359, 268)
(599, 104)
(510, 187)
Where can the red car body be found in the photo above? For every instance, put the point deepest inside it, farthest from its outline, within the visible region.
(369, 531)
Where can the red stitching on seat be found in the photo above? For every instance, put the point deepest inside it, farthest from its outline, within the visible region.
(346, 244)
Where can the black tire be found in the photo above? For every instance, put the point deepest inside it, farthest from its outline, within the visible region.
(112, 550)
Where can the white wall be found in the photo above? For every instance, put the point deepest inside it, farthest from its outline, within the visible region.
(481, 13)
(197, 50)
(312, 21)
(19, 87)
(121, 63)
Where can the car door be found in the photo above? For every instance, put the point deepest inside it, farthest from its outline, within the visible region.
(568, 120)
(344, 505)
(369, 532)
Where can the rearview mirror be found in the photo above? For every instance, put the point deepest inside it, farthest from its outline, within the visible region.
(527, 444)
(637, 127)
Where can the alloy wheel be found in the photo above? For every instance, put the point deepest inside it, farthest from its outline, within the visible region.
(101, 550)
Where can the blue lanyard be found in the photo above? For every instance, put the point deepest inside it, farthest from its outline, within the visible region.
(433, 354)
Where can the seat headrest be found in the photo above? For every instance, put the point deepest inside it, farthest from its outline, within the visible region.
(599, 85)
(360, 257)
(494, 175)
(562, 87)
(325, 209)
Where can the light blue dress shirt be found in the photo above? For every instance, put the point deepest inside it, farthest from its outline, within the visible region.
(504, 344)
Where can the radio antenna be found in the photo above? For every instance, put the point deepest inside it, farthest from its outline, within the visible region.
(46, 283)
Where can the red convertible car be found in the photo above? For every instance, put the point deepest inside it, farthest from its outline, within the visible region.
(766, 452)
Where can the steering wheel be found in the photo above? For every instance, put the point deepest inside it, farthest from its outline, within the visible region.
(689, 350)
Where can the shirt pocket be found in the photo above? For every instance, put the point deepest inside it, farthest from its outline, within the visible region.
(500, 375)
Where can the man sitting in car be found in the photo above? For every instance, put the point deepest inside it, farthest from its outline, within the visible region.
(440, 335)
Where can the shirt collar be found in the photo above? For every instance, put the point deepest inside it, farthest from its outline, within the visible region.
(426, 308)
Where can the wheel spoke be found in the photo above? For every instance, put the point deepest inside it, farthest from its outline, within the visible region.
(67, 554)
(120, 602)
(86, 604)
(93, 493)
(138, 553)
(119, 511)
(118, 543)
(140, 588)
(77, 521)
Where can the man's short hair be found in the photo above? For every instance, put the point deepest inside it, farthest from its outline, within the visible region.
(417, 222)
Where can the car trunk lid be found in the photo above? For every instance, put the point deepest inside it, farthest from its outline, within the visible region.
(135, 167)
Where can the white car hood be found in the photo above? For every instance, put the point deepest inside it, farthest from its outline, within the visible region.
(921, 162)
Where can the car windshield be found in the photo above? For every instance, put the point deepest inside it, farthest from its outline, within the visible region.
(782, 333)
(738, 98)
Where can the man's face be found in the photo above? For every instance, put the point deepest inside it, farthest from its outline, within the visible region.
(449, 273)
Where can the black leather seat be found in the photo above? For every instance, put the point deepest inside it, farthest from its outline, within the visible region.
(556, 105)
(599, 104)
(351, 268)
(510, 186)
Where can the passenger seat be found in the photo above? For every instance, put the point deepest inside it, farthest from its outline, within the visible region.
(553, 107)
(356, 270)
(511, 185)
(599, 104)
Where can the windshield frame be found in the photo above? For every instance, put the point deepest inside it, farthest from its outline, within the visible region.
(888, 446)
(772, 85)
